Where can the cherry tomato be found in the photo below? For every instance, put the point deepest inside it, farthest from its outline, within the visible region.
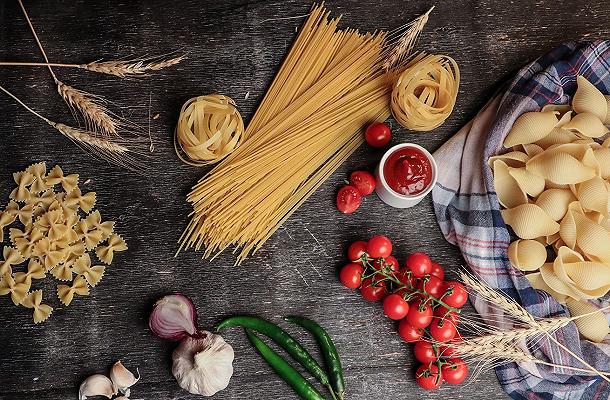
(432, 285)
(390, 263)
(378, 134)
(451, 351)
(420, 264)
(424, 352)
(443, 313)
(394, 307)
(419, 315)
(406, 277)
(442, 330)
(372, 291)
(409, 333)
(348, 199)
(428, 377)
(379, 246)
(458, 295)
(356, 250)
(363, 181)
(351, 275)
(437, 271)
(455, 371)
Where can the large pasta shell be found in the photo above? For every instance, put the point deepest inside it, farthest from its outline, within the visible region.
(530, 183)
(538, 283)
(557, 136)
(512, 159)
(587, 124)
(607, 119)
(509, 193)
(593, 326)
(531, 127)
(556, 283)
(529, 221)
(592, 238)
(567, 228)
(588, 99)
(555, 202)
(602, 155)
(530, 149)
(593, 195)
(526, 255)
(560, 168)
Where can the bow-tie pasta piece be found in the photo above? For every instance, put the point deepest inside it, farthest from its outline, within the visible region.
(56, 177)
(18, 291)
(594, 325)
(35, 271)
(23, 180)
(95, 220)
(25, 241)
(93, 275)
(531, 127)
(42, 201)
(43, 251)
(11, 257)
(38, 171)
(588, 99)
(6, 218)
(529, 221)
(24, 213)
(84, 201)
(105, 253)
(66, 293)
(41, 311)
(63, 271)
(527, 255)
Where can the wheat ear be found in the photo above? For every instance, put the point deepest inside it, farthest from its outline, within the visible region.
(405, 44)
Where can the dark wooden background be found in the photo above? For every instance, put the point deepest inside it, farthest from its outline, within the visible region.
(234, 47)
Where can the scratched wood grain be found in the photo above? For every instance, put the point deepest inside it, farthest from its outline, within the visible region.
(234, 47)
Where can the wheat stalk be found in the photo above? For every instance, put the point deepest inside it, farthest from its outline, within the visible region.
(404, 46)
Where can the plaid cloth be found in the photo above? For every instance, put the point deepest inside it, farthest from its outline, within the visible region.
(468, 213)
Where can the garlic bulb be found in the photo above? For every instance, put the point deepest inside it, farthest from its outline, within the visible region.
(122, 378)
(96, 385)
(203, 365)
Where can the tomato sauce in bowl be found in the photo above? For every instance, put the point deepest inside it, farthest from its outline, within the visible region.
(408, 171)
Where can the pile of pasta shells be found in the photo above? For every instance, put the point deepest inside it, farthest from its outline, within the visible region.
(554, 187)
(51, 234)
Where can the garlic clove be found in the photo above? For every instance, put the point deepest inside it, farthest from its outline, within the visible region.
(122, 378)
(96, 385)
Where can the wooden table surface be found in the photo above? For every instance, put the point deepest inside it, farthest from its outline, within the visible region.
(234, 47)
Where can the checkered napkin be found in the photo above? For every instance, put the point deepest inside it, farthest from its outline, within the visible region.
(468, 213)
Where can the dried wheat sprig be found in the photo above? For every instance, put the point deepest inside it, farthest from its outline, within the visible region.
(404, 46)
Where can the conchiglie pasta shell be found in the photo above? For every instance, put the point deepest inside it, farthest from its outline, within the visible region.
(588, 125)
(509, 193)
(530, 183)
(538, 283)
(588, 99)
(567, 227)
(607, 119)
(594, 326)
(556, 283)
(512, 159)
(602, 156)
(555, 202)
(593, 195)
(531, 127)
(529, 221)
(560, 168)
(592, 238)
(590, 276)
(526, 255)
(565, 256)
(557, 136)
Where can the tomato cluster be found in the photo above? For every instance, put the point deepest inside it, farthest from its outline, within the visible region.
(417, 295)
(349, 197)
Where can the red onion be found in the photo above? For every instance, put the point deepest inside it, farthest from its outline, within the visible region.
(173, 317)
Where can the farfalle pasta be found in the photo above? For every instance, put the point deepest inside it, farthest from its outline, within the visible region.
(555, 190)
(58, 227)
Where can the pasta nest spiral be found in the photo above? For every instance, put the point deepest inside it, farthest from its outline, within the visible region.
(209, 128)
(425, 92)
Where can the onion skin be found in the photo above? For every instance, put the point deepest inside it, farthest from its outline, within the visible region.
(174, 317)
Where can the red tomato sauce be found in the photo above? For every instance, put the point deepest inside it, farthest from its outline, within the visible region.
(408, 171)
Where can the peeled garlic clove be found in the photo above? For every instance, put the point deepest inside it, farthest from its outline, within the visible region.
(173, 317)
(203, 365)
(122, 378)
(96, 385)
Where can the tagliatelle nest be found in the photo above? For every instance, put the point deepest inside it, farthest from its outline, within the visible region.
(58, 229)
(209, 128)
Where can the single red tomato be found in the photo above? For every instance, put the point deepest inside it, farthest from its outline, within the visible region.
(379, 246)
(420, 264)
(356, 250)
(389, 263)
(348, 199)
(419, 315)
(442, 330)
(428, 377)
(372, 291)
(351, 275)
(450, 350)
(424, 352)
(378, 134)
(457, 295)
(394, 307)
(363, 181)
(437, 271)
(443, 312)
(409, 333)
(405, 276)
(455, 371)
(432, 285)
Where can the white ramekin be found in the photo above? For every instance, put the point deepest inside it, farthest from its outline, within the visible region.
(387, 194)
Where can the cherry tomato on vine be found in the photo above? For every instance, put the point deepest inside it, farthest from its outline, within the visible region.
(455, 371)
(394, 307)
(424, 352)
(419, 315)
(363, 181)
(348, 199)
(390, 263)
(437, 271)
(356, 250)
(406, 277)
(444, 313)
(420, 264)
(409, 333)
(428, 377)
(372, 291)
(442, 330)
(379, 246)
(378, 134)
(458, 294)
(351, 275)
(432, 285)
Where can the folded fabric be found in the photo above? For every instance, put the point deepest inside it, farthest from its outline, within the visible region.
(468, 213)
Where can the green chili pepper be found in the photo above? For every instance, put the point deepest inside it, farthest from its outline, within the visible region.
(283, 339)
(329, 351)
(285, 370)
